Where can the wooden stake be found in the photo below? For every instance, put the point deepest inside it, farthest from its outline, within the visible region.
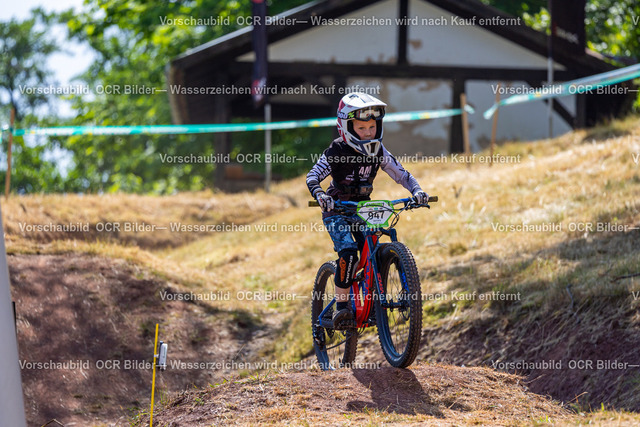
(465, 127)
(7, 182)
(494, 127)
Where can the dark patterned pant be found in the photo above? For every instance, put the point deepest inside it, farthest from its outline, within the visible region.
(344, 232)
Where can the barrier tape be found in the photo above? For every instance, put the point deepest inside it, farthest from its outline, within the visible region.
(573, 87)
(228, 127)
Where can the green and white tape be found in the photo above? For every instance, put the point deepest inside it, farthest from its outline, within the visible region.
(585, 84)
(227, 127)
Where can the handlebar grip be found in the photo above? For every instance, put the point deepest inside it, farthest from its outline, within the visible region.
(433, 199)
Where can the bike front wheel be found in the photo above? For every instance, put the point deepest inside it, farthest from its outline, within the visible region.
(334, 348)
(399, 308)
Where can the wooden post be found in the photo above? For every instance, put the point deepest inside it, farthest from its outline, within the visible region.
(456, 144)
(7, 182)
(267, 148)
(222, 140)
(465, 127)
(494, 127)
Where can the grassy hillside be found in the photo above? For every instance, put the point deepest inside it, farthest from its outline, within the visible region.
(465, 243)
(525, 261)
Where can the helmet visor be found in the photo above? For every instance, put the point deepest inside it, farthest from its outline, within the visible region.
(366, 114)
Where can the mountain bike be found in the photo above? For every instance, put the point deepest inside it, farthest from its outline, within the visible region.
(385, 292)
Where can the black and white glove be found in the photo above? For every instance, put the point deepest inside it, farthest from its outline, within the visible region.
(421, 197)
(325, 201)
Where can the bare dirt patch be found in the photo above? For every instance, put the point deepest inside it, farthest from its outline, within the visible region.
(86, 329)
(422, 394)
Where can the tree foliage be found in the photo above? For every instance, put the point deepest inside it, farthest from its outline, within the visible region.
(134, 41)
(612, 26)
(518, 8)
(25, 46)
(24, 49)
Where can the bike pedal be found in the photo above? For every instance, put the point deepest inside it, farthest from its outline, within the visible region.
(317, 334)
(346, 324)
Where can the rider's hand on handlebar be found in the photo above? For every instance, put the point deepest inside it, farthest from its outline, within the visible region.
(325, 201)
(421, 197)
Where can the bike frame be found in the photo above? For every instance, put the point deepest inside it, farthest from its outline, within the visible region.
(362, 292)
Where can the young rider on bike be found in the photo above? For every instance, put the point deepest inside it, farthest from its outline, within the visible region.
(353, 161)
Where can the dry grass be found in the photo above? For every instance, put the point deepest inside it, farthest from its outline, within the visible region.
(122, 212)
(568, 180)
(603, 418)
(585, 177)
(578, 178)
(423, 394)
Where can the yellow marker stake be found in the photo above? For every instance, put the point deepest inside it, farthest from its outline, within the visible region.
(153, 382)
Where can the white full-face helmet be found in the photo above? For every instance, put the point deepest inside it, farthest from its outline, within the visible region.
(360, 106)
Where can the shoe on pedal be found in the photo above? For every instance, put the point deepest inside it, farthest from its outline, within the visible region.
(342, 318)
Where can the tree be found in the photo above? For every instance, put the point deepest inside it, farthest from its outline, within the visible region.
(24, 80)
(518, 8)
(25, 47)
(612, 26)
(134, 41)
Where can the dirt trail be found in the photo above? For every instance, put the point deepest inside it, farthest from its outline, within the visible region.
(436, 394)
(85, 332)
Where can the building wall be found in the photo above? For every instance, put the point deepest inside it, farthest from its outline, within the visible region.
(519, 122)
(360, 44)
(426, 136)
(456, 44)
(447, 42)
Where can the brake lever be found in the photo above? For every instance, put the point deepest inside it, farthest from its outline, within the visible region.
(412, 204)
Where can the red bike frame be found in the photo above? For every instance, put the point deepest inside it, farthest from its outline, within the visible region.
(362, 292)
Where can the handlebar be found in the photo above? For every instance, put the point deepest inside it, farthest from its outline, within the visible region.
(407, 200)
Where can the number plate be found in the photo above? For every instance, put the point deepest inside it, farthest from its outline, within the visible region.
(375, 213)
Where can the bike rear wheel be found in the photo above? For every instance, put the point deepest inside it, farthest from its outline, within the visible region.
(334, 349)
(400, 322)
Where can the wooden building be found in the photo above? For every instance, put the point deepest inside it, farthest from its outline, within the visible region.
(412, 54)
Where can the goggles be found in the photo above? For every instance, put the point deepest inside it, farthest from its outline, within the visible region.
(366, 114)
